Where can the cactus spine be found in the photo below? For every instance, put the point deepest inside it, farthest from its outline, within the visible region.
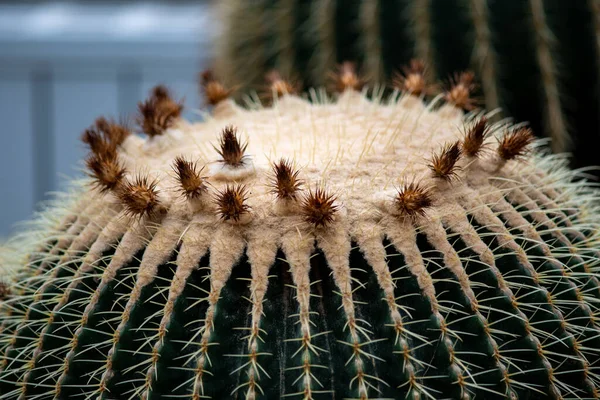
(337, 248)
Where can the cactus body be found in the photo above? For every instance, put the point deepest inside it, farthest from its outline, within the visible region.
(361, 275)
(536, 59)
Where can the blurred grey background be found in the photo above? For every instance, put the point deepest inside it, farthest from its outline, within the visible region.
(62, 64)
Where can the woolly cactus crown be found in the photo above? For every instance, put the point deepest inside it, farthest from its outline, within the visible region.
(332, 248)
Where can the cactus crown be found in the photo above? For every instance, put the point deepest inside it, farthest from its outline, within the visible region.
(343, 247)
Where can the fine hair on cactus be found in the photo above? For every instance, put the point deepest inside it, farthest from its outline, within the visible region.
(358, 245)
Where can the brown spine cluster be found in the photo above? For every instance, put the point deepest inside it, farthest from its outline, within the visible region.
(443, 164)
(474, 138)
(98, 143)
(346, 77)
(285, 183)
(115, 132)
(412, 78)
(159, 112)
(214, 90)
(515, 144)
(230, 148)
(139, 196)
(279, 86)
(460, 92)
(319, 207)
(192, 183)
(103, 140)
(231, 202)
(104, 137)
(413, 200)
(161, 93)
(108, 173)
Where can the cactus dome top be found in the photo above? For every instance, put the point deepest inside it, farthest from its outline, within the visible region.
(359, 150)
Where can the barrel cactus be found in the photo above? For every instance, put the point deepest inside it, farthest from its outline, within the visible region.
(316, 248)
(536, 59)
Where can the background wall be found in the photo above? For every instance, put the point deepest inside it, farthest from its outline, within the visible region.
(62, 64)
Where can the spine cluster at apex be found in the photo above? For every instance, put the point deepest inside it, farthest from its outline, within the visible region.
(140, 197)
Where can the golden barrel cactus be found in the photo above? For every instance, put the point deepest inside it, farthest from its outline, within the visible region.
(315, 248)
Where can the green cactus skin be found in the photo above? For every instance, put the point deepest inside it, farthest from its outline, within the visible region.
(536, 59)
(489, 292)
